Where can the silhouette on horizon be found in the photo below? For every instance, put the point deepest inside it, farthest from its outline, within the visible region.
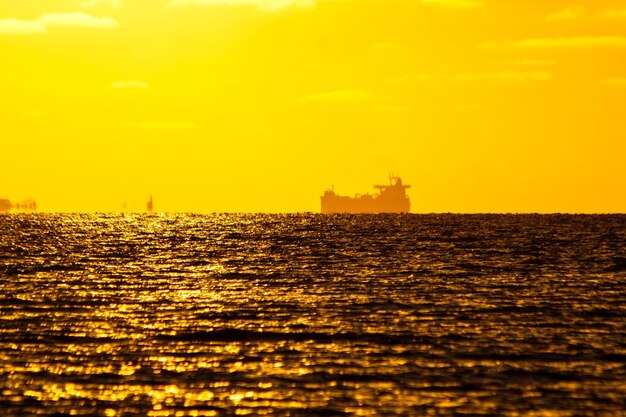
(150, 205)
(26, 205)
(391, 198)
(5, 205)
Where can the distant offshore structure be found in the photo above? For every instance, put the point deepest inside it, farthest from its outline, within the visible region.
(150, 205)
(25, 205)
(391, 198)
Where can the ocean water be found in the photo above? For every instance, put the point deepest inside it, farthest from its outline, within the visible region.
(314, 315)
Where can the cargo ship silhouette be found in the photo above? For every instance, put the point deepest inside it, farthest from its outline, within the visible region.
(391, 198)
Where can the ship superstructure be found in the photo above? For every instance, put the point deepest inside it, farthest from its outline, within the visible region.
(391, 198)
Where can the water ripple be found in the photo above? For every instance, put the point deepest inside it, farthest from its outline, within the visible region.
(199, 315)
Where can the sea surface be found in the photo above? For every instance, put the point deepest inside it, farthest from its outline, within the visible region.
(312, 315)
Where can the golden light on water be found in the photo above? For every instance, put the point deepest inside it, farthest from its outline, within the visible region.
(163, 113)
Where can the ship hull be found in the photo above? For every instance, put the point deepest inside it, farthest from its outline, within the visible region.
(366, 204)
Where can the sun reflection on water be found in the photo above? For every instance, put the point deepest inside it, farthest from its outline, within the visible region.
(264, 315)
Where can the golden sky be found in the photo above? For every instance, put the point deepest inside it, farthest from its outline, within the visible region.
(260, 105)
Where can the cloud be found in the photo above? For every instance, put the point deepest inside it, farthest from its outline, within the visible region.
(613, 14)
(456, 4)
(471, 107)
(116, 4)
(573, 42)
(578, 12)
(41, 25)
(21, 27)
(414, 78)
(614, 82)
(506, 76)
(338, 96)
(390, 108)
(530, 62)
(34, 114)
(267, 5)
(77, 20)
(387, 46)
(160, 125)
(570, 13)
(496, 77)
(133, 84)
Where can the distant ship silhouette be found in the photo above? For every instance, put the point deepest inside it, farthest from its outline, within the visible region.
(391, 198)
(27, 205)
(5, 205)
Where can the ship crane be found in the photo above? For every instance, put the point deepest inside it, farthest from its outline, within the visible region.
(393, 182)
